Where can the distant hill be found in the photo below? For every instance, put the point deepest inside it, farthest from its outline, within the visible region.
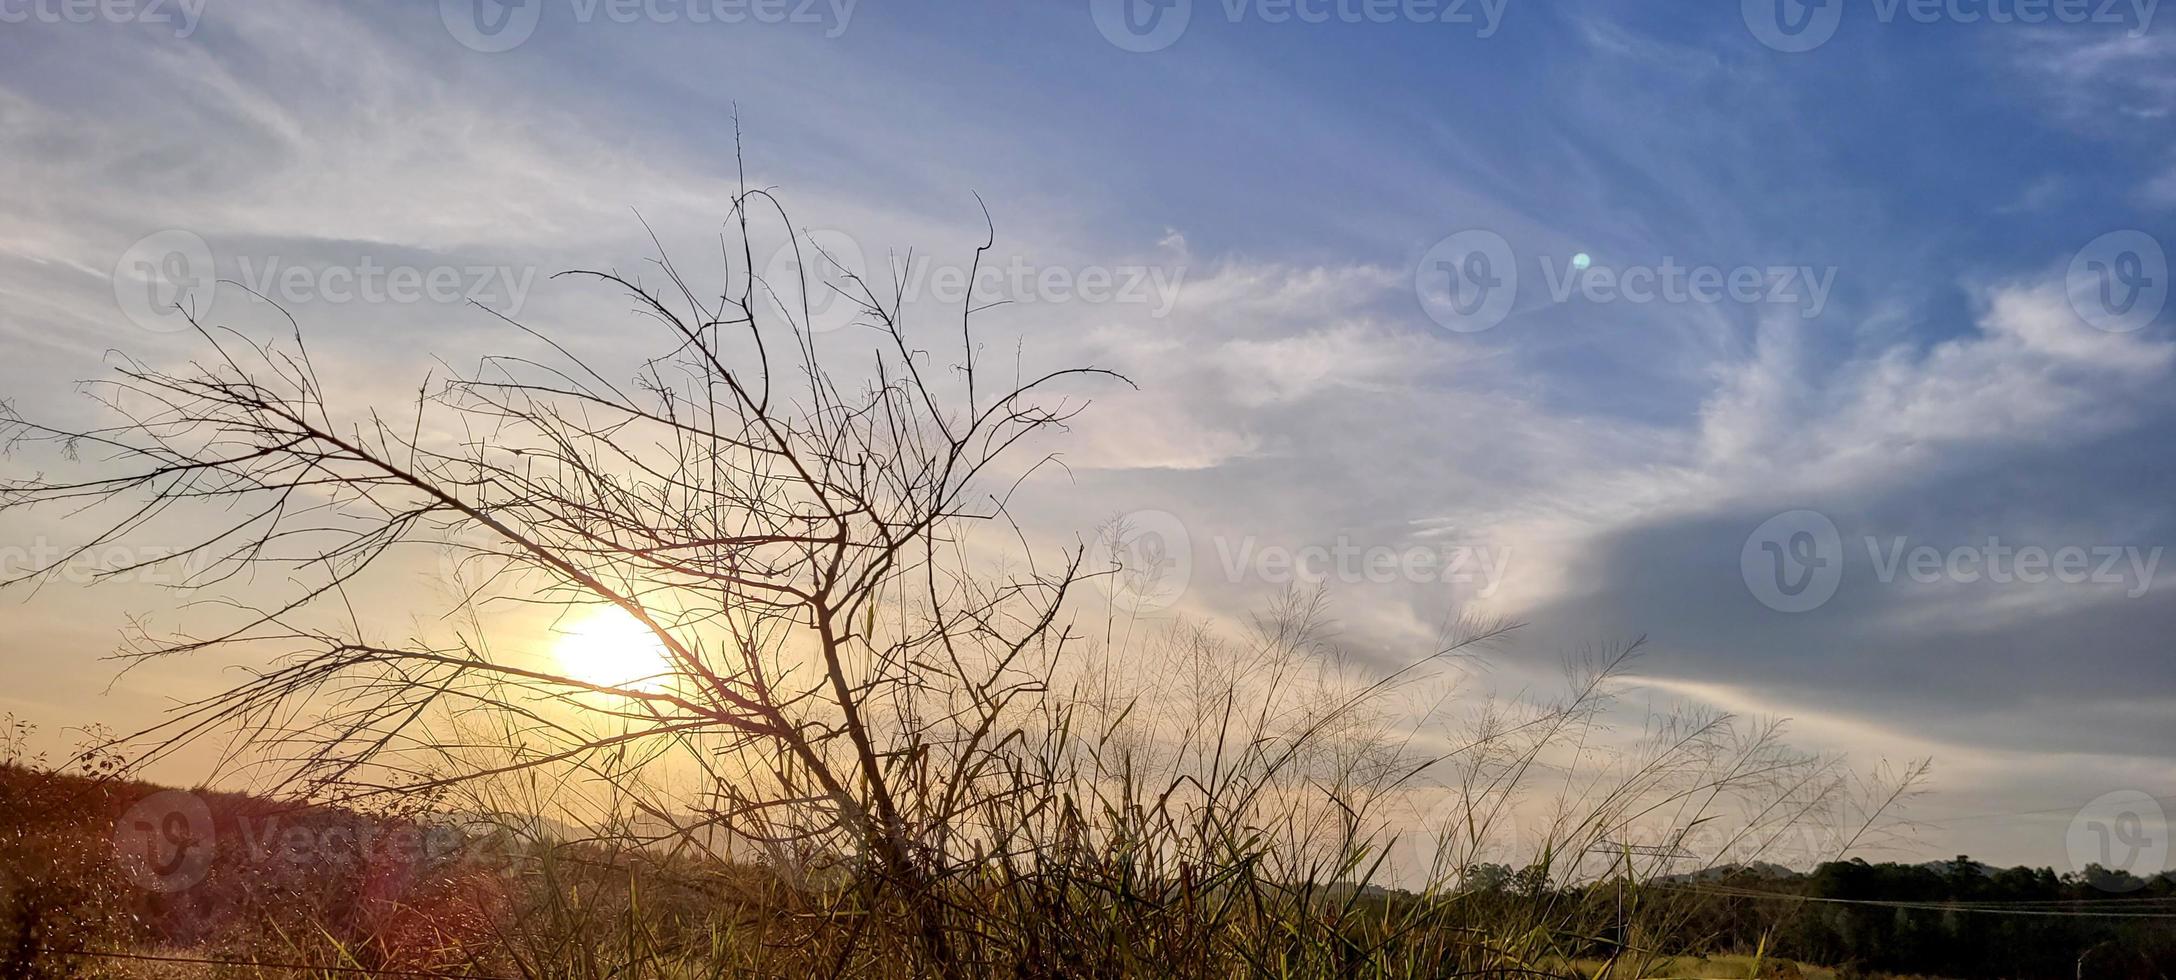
(1752, 871)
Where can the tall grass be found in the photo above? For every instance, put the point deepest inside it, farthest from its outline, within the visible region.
(876, 745)
(1186, 805)
(1198, 806)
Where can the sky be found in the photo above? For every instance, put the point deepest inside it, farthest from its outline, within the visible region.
(1825, 346)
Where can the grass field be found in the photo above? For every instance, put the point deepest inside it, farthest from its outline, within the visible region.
(77, 900)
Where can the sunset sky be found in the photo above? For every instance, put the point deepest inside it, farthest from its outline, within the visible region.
(1277, 229)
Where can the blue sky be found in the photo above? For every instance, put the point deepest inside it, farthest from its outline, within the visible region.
(1945, 179)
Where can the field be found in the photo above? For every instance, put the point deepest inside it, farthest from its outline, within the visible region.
(89, 887)
(760, 636)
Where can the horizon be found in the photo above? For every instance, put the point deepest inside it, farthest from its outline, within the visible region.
(1833, 361)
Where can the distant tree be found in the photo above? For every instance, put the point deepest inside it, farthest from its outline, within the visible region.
(1488, 877)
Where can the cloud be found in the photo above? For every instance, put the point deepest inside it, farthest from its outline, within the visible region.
(2119, 86)
(2102, 78)
(1292, 395)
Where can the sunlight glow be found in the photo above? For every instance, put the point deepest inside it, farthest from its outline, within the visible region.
(609, 647)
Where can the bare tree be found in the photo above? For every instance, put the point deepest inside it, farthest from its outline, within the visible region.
(850, 674)
(790, 536)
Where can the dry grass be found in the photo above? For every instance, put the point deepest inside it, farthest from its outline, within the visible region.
(885, 741)
(1727, 967)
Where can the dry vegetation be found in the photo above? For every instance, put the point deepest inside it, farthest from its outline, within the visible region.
(892, 740)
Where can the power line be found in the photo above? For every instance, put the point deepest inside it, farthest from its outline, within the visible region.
(1918, 906)
(1988, 903)
(2019, 903)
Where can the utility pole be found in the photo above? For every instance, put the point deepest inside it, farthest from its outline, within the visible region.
(1626, 852)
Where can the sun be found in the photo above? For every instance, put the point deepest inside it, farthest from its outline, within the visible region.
(608, 647)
